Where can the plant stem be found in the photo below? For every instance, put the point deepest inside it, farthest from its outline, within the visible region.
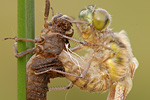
(21, 46)
(29, 25)
(25, 25)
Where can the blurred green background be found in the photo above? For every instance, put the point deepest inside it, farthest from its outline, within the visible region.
(130, 15)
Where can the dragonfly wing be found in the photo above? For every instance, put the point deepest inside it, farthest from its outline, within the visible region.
(133, 66)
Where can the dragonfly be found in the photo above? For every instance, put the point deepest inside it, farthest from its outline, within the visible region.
(109, 63)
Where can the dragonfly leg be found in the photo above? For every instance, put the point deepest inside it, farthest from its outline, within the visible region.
(62, 88)
(18, 55)
(75, 40)
(87, 67)
(54, 70)
(52, 11)
(76, 48)
(36, 40)
(46, 14)
(79, 29)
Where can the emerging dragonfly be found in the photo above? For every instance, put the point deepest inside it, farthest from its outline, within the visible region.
(110, 64)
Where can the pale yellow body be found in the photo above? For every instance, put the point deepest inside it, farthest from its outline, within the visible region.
(95, 80)
(112, 66)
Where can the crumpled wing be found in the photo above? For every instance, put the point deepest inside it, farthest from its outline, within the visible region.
(120, 90)
(133, 66)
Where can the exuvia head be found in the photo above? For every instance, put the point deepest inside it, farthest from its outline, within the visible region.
(61, 23)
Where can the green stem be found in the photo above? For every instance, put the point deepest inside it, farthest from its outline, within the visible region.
(25, 25)
(29, 24)
(21, 46)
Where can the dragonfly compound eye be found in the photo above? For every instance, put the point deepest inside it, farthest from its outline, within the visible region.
(101, 19)
(86, 15)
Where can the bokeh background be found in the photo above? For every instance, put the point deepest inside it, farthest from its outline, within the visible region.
(130, 15)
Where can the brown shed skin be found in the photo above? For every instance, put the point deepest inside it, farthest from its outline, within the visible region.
(46, 56)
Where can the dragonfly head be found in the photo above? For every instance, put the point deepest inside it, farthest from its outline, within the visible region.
(99, 18)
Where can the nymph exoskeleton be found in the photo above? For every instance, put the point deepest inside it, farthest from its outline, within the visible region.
(49, 46)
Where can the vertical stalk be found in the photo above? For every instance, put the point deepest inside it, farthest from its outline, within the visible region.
(25, 29)
(29, 24)
(21, 46)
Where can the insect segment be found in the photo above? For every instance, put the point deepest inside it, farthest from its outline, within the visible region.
(110, 64)
(49, 46)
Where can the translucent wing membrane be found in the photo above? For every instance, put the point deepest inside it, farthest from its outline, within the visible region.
(133, 66)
